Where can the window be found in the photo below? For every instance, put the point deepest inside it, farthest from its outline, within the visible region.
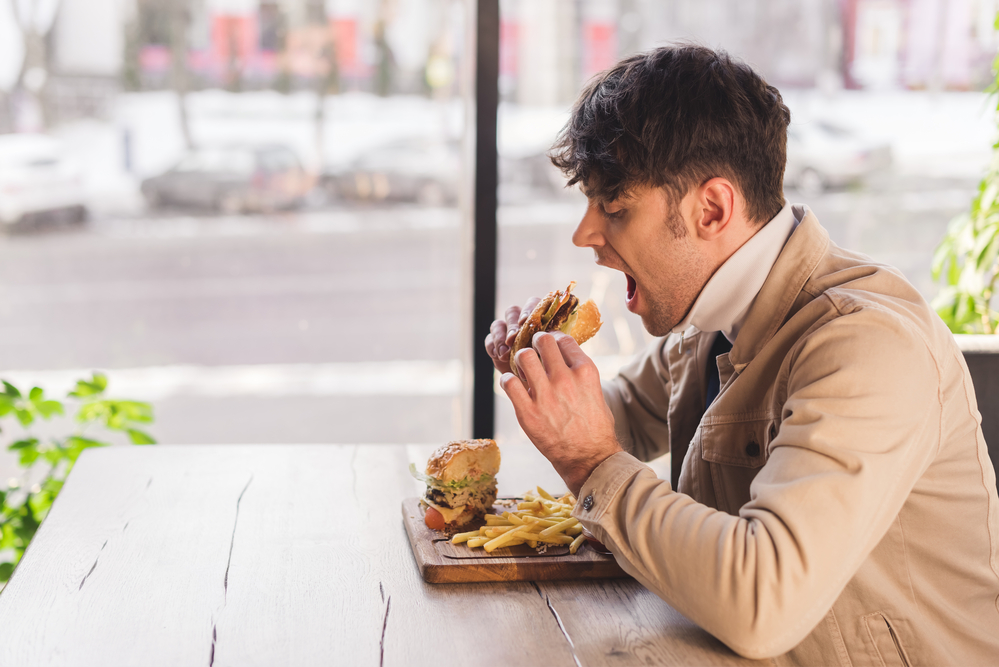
(316, 299)
(887, 140)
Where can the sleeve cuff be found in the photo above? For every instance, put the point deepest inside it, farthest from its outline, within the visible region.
(603, 486)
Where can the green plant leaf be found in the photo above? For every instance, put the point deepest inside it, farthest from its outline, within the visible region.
(81, 443)
(136, 410)
(28, 528)
(95, 385)
(22, 510)
(967, 258)
(75, 446)
(53, 486)
(140, 437)
(6, 570)
(28, 457)
(953, 272)
(987, 258)
(92, 412)
(48, 408)
(24, 416)
(23, 444)
(940, 257)
(54, 455)
(7, 537)
(988, 195)
(40, 504)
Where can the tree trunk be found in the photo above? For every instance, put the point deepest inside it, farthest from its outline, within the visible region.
(327, 80)
(179, 24)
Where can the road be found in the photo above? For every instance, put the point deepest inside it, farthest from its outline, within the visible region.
(336, 325)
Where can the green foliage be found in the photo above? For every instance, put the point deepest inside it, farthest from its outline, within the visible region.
(967, 259)
(25, 503)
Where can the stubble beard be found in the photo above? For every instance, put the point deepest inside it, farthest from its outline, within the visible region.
(671, 302)
(664, 314)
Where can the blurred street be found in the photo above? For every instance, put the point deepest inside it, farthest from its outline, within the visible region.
(337, 325)
(341, 320)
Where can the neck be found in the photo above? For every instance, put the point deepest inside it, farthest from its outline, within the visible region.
(721, 248)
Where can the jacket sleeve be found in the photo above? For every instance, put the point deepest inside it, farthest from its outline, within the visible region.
(860, 425)
(639, 399)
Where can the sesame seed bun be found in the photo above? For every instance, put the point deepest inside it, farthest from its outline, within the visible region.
(464, 458)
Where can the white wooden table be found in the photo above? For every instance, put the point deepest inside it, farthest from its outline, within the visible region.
(296, 555)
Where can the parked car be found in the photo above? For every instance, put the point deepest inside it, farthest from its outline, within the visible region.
(414, 169)
(529, 177)
(37, 177)
(822, 155)
(232, 179)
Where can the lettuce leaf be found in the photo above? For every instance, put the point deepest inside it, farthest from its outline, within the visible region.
(569, 323)
(453, 484)
(426, 479)
(547, 317)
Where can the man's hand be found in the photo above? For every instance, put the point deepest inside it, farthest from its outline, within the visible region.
(562, 408)
(503, 332)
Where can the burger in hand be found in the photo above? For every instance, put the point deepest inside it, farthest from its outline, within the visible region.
(559, 311)
(461, 483)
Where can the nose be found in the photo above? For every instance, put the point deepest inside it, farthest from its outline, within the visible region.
(589, 231)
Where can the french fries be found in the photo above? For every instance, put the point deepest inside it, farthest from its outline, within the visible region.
(538, 520)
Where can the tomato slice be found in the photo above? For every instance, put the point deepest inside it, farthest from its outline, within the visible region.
(433, 519)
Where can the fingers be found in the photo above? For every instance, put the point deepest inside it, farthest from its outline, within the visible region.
(512, 323)
(515, 318)
(497, 336)
(530, 368)
(551, 355)
(538, 368)
(498, 352)
(529, 307)
(502, 333)
(571, 352)
(516, 391)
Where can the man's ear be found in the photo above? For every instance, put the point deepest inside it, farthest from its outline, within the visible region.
(714, 207)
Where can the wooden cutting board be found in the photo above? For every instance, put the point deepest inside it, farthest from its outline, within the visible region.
(441, 562)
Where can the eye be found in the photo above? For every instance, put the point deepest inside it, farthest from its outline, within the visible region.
(612, 215)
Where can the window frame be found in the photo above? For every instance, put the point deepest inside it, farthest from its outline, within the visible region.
(484, 233)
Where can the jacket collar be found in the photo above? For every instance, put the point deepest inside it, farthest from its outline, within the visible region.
(794, 265)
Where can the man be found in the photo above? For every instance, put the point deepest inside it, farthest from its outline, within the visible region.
(832, 499)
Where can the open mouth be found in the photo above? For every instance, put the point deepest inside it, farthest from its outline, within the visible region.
(632, 288)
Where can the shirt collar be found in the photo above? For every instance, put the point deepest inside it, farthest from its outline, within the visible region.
(724, 301)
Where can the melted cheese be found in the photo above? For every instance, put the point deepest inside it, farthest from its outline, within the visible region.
(446, 512)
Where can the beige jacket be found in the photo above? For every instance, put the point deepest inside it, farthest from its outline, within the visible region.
(836, 504)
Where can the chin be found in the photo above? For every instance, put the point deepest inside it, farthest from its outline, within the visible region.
(660, 324)
(655, 327)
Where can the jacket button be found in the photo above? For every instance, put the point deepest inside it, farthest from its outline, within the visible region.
(752, 449)
(588, 502)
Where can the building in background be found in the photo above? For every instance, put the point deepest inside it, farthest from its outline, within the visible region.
(71, 65)
(947, 43)
(382, 46)
(829, 44)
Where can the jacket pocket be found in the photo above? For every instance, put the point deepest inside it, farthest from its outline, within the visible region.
(734, 451)
(885, 646)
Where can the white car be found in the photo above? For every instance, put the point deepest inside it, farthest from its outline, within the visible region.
(822, 155)
(36, 176)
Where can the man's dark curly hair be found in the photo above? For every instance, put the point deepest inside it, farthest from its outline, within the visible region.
(673, 118)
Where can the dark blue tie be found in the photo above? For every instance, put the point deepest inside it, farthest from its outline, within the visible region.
(720, 346)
